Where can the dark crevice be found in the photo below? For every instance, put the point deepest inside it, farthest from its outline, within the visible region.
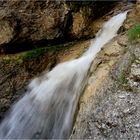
(15, 47)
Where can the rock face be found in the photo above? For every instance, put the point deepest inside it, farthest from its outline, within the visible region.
(106, 110)
(84, 17)
(138, 7)
(6, 32)
(34, 21)
(17, 70)
(109, 106)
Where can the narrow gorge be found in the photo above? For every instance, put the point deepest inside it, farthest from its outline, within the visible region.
(82, 89)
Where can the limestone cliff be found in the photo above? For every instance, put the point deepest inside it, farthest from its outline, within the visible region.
(33, 21)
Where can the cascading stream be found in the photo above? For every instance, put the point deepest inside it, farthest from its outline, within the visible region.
(47, 109)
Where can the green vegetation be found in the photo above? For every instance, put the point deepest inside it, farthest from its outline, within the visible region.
(122, 79)
(134, 33)
(41, 51)
(34, 53)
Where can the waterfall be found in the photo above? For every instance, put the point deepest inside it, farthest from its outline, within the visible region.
(47, 109)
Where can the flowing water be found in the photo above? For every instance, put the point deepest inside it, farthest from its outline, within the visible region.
(47, 109)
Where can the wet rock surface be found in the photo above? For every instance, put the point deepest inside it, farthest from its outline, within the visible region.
(112, 104)
(16, 71)
(109, 106)
(15, 74)
(112, 111)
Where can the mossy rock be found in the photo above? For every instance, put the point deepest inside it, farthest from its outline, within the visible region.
(134, 33)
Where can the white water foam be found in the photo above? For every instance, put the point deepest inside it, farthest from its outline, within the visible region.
(47, 110)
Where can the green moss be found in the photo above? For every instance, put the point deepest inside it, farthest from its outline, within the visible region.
(41, 51)
(34, 53)
(134, 33)
(122, 79)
